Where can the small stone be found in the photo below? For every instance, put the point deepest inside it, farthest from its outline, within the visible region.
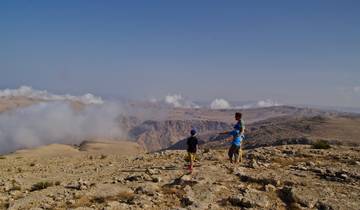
(236, 200)
(318, 170)
(156, 179)
(150, 171)
(73, 185)
(254, 164)
(187, 201)
(344, 176)
(312, 164)
(323, 206)
(70, 202)
(302, 168)
(133, 178)
(270, 188)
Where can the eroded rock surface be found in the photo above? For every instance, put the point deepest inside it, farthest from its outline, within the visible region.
(282, 177)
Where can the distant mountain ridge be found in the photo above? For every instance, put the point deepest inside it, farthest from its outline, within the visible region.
(161, 134)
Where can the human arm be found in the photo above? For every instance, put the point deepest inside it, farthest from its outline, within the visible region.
(224, 133)
(242, 126)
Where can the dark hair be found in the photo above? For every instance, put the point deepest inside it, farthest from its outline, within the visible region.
(193, 132)
(238, 114)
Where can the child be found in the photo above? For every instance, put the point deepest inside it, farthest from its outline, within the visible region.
(192, 143)
(238, 136)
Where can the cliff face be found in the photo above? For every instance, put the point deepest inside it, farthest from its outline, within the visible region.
(156, 135)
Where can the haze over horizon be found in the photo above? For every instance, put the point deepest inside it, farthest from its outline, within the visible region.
(291, 52)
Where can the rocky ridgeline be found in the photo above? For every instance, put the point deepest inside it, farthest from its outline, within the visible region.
(265, 126)
(156, 135)
(282, 177)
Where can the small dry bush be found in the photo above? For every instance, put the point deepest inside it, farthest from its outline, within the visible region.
(122, 196)
(41, 185)
(82, 202)
(321, 144)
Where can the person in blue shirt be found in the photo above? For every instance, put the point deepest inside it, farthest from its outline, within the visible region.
(238, 136)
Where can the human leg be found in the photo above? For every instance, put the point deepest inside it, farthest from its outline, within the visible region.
(231, 152)
(191, 158)
(241, 159)
(236, 153)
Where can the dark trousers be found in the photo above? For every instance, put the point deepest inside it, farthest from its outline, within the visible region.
(234, 150)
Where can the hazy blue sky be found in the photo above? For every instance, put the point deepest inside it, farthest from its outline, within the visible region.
(304, 52)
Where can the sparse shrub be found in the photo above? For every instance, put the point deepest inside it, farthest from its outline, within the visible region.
(4, 205)
(2, 157)
(321, 144)
(16, 187)
(103, 156)
(82, 201)
(57, 183)
(99, 200)
(41, 185)
(32, 164)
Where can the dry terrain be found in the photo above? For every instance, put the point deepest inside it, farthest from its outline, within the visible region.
(281, 177)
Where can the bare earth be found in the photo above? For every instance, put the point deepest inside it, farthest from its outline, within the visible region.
(282, 177)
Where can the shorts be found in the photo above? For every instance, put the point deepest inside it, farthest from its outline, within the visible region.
(234, 150)
(191, 157)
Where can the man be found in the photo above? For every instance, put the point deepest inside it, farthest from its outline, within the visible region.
(238, 136)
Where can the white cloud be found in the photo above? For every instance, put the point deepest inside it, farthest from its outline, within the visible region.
(29, 92)
(178, 101)
(174, 100)
(267, 103)
(57, 122)
(260, 104)
(220, 104)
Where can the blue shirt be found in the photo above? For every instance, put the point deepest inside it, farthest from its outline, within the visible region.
(237, 137)
(236, 133)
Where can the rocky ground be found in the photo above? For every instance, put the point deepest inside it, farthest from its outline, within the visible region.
(282, 177)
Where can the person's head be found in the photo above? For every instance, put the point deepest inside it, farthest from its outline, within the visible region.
(238, 116)
(193, 132)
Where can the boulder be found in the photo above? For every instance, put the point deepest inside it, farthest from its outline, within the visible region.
(304, 196)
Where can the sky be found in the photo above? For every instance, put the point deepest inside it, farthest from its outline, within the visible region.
(293, 52)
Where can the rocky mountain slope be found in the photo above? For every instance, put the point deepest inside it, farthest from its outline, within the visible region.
(156, 135)
(282, 177)
(250, 115)
(162, 133)
(335, 129)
